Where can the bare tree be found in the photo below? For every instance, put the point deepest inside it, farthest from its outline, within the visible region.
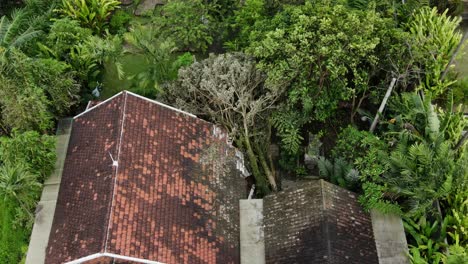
(228, 90)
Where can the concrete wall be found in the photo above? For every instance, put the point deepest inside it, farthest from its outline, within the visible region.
(390, 239)
(251, 232)
(46, 207)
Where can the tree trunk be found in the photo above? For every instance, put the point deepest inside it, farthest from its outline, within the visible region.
(382, 105)
(260, 180)
(268, 171)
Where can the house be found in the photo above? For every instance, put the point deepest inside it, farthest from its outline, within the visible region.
(144, 182)
(147, 183)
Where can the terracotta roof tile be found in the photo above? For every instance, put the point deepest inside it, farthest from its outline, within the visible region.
(161, 202)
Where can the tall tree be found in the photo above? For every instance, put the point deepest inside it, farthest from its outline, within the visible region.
(322, 53)
(229, 90)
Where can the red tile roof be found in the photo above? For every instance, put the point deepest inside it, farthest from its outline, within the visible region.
(170, 196)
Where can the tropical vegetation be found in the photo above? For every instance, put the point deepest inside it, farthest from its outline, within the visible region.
(296, 83)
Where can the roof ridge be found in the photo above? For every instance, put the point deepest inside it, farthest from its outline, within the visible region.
(138, 96)
(116, 171)
(99, 104)
(162, 104)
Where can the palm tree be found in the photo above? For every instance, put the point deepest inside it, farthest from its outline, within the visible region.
(424, 166)
(15, 32)
(145, 40)
(19, 186)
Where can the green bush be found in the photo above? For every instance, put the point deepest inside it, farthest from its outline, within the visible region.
(63, 36)
(187, 23)
(19, 186)
(426, 239)
(314, 56)
(243, 21)
(119, 21)
(48, 90)
(339, 172)
(158, 54)
(373, 198)
(31, 148)
(353, 143)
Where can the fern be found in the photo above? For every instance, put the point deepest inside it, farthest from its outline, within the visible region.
(325, 167)
(372, 198)
(340, 172)
(287, 126)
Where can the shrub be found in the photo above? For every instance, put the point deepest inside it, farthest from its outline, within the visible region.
(31, 148)
(12, 240)
(19, 187)
(373, 198)
(63, 36)
(187, 23)
(48, 90)
(158, 54)
(353, 143)
(244, 20)
(119, 21)
(339, 172)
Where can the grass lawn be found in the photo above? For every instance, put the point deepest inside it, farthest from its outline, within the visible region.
(111, 84)
(13, 241)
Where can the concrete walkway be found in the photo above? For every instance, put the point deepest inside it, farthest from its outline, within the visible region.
(46, 207)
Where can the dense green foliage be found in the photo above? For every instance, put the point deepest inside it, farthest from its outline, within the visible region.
(26, 159)
(119, 21)
(188, 23)
(38, 151)
(14, 33)
(436, 35)
(48, 88)
(301, 74)
(317, 75)
(92, 14)
(158, 54)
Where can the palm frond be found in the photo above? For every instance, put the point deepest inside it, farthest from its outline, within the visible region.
(4, 23)
(325, 167)
(26, 36)
(14, 26)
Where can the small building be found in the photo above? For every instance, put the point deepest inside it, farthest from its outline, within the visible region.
(318, 222)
